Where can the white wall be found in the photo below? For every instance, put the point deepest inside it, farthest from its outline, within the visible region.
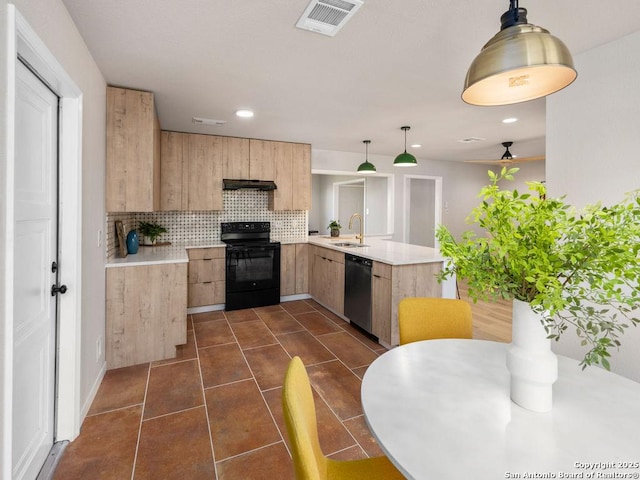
(52, 23)
(593, 150)
(461, 183)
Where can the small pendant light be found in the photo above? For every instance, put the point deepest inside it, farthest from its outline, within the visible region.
(366, 167)
(405, 159)
(521, 62)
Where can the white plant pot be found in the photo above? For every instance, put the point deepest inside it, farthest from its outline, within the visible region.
(530, 361)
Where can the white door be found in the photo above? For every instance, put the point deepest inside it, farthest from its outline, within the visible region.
(35, 250)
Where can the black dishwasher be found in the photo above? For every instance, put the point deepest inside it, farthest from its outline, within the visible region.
(357, 291)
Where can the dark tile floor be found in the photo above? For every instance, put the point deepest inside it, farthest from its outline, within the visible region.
(214, 412)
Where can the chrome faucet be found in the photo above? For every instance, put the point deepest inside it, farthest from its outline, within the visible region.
(361, 236)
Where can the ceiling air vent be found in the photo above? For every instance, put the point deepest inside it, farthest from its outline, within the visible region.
(208, 121)
(328, 16)
(471, 140)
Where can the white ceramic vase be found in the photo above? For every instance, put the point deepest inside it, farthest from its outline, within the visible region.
(530, 361)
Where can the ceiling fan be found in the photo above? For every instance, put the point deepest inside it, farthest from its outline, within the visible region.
(507, 158)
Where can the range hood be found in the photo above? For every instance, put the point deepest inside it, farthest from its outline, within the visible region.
(235, 184)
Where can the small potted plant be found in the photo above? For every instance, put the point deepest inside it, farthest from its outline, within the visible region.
(151, 231)
(334, 226)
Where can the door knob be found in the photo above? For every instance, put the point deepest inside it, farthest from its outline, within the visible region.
(62, 289)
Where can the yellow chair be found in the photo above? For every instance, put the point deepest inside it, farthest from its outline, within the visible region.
(309, 461)
(430, 318)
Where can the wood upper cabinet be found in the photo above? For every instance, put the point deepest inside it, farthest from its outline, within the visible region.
(173, 181)
(262, 155)
(133, 152)
(235, 158)
(203, 169)
(292, 162)
(193, 167)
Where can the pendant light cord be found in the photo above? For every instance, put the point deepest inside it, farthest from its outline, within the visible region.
(514, 8)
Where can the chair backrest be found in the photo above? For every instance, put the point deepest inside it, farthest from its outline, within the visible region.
(300, 416)
(421, 318)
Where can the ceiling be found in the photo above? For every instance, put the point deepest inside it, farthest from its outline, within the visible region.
(394, 63)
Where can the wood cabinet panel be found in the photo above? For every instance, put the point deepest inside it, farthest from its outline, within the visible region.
(204, 172)
(173, 181)
(206, 276)
(282, 198)
(416, 280)
(206, 253)
(301, 172)
(302, 268)
(146, 313)
(292, 176)
(327, 279)
(133, 152)
(202, 294)
(235, 158)
(381, 302)
(287, 269)
(261, 159)
(207, 270)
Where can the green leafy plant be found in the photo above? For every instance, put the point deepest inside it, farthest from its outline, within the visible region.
(334, 224)
(579, 270)
(151, 230)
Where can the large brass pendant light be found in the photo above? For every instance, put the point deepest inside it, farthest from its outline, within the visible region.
(405, 159)
(521, 62)
(366, 167)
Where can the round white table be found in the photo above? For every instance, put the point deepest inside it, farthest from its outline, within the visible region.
(440, 409)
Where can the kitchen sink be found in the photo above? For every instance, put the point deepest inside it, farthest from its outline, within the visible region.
(349, 244)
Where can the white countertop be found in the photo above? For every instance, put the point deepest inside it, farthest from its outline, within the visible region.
(152, 256)
(385, 251)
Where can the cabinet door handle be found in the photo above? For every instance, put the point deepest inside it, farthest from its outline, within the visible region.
(377, 276)
(207, 282)
(207, 259)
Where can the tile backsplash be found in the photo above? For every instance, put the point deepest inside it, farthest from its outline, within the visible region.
(198, 227)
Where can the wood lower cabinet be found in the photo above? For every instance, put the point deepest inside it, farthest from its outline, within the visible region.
(294, 269)
(326, 284)
(146, 313)
(393, 283)
(133, 152)
(381, 302)
(206, 276)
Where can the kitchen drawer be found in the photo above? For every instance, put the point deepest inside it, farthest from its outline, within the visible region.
(206, 270)
(206, 253)
(210, 293)
(329, 254)
(382, 270)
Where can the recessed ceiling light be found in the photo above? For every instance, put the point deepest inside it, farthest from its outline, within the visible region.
(416, 145)
(510, 120)
(244, 113)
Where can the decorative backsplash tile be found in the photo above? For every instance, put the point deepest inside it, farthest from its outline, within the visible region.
(198, 227)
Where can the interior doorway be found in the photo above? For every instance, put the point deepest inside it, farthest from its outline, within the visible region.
(422, 209)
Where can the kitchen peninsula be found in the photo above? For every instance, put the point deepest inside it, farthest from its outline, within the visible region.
(399, 270)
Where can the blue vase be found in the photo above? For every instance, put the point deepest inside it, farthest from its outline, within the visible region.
(132, 242)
